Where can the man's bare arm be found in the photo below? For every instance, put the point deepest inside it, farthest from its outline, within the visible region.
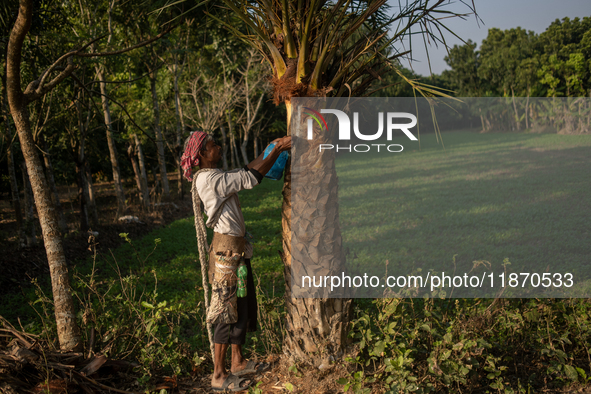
(264, 165)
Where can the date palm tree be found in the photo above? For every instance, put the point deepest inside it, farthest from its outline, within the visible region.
(320, 48)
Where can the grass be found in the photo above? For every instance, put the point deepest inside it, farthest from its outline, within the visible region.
(486, 197)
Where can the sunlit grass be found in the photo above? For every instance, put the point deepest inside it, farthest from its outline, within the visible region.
(483, 197)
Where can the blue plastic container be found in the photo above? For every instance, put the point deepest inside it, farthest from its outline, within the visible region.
(276, 172)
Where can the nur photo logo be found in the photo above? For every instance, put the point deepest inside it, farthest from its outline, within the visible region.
(394, 121)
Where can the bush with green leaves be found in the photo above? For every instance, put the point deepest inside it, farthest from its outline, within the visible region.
(501, 345)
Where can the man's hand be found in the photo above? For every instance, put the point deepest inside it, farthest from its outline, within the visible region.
(264, 165)
(283, 143)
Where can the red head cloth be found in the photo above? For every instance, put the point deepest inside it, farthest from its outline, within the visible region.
(190, 158)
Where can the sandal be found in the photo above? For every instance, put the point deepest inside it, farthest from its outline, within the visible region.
(237, 384)
(253, 367)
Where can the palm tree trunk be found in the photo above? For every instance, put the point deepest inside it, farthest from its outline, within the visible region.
(65, 314)
(313, 321)
(159, 138)
(111, 142)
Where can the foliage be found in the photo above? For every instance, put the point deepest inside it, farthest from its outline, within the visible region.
(509, 346)
(338, 48)
(516, 62)
(128, 319)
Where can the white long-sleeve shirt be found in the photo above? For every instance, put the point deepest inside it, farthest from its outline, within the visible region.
(214, 187)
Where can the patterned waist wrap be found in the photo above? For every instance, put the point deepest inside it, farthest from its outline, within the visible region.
(222, 243)
(225, 253)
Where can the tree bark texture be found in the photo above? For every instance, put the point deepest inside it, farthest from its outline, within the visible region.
(316, 328)
(243, 149)
(143, 175)
(138, 175)
(120, 193)
(159, 137)
(67, 328)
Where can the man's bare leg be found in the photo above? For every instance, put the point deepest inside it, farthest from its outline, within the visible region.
(238, 360)
(219, 367)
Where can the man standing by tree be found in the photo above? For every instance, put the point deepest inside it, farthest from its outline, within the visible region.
(233, 316)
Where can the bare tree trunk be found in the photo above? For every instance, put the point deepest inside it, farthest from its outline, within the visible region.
(111, 142)
(180, 128)
(55, 194)
(159, 137)
(16, 204)
(232, 154)
(156, 190)
(255, 141)
(65, 316)
(138, 175)
(243, 147)
(91, 197)
(316, 328)
(236, 151)
(224, 148)
(142, 168)
(233, 150)
(29, 209)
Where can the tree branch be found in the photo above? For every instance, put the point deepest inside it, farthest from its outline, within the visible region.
(46, 73)
(114, 101)
(31, 96)
(139, 45)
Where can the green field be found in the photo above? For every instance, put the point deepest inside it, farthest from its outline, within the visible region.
(491, 197)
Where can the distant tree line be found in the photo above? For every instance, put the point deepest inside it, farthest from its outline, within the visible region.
(516, 65)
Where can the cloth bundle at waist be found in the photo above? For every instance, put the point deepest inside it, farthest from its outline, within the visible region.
(225, 253)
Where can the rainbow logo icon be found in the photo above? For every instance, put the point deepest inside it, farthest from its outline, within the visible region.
(317, 117)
